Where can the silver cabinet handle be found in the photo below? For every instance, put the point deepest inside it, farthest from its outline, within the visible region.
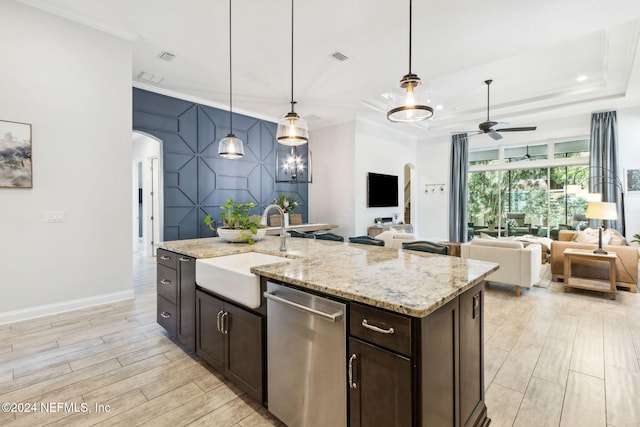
(183, 259)
(165, 315)
(351, 383)
(165, 258)
(376, 329)
(220, 313)
(165, 281)
(225, 322)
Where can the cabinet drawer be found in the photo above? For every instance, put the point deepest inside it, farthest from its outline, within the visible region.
(167, 283)
(170, 259)
(379, 327)
(167, 315)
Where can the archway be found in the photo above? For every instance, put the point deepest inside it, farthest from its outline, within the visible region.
(146, 192)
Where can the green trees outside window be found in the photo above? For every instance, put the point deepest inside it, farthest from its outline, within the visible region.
(496, 198)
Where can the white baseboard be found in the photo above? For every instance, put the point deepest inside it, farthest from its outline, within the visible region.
(61, 307)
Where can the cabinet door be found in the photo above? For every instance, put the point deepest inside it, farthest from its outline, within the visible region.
(245, 361)
(380, 393)
(187, 302)
(210, 342)
(439, 373)
(471, 356)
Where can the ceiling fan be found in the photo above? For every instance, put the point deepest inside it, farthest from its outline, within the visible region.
(489, 127)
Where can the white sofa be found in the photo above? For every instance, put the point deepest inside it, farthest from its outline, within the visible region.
(395, 239)
(519, 266)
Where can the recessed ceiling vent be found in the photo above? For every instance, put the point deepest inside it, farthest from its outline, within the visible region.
(148, 77)
(166, 56)
(340, 56)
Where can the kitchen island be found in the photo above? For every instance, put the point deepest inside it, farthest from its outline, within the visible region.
(431, 303)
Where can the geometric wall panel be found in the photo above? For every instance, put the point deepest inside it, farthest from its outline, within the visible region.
(196, 181)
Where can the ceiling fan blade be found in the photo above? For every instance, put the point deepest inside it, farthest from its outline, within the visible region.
(494, 135)
(522, 129)
(498, 124)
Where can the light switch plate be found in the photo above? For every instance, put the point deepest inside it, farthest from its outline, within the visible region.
(54, 216)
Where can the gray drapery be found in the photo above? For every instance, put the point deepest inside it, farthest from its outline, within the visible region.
(459, 186)
(603, 164)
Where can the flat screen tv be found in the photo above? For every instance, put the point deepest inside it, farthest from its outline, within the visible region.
(382, 190)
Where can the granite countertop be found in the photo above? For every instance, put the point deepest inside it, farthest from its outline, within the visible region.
(407, 282)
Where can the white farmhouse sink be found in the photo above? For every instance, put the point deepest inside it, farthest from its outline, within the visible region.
(230, 276)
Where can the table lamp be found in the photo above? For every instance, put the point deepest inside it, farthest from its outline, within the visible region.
(601, 211)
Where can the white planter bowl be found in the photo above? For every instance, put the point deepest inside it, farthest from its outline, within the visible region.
(240, 236)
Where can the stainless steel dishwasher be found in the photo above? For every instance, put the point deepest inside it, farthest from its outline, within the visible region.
(306, 352)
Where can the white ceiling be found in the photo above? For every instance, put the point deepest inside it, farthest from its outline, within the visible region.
(534, 51)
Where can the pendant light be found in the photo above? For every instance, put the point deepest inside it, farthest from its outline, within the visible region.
(292, 130)
(407, 104)
(230, 147)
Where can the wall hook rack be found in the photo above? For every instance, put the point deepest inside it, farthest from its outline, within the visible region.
(434, 188)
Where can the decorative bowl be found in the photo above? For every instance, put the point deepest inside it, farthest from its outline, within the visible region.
(240, 236)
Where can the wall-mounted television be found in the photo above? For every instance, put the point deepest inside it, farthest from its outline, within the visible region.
(382, 190)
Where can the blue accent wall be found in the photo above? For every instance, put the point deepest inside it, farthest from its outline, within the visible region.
(196, 181)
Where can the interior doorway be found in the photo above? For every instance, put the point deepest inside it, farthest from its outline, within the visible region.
(409, 171)
(147, 193)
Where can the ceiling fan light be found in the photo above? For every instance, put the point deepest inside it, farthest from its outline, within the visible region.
(292, 130)
(231, 147)
(408, 102)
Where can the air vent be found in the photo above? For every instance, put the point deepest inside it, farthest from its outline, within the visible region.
(166, 56)
(148, 77)
(340, 57)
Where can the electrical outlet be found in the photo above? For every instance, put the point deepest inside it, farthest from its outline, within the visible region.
(54, 216)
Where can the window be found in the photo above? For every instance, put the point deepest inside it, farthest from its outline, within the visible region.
(529, 194)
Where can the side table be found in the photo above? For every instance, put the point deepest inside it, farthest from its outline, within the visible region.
(586, 255)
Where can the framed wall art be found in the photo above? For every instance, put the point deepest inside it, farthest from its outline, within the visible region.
(632, 181)
(15, 155)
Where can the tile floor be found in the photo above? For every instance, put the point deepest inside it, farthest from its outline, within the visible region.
(551, 359)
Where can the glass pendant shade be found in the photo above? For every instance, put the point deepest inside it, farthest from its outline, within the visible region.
(230, 147)
(292, 130)
(408, 102)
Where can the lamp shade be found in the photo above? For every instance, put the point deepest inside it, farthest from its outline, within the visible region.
(572, 188)
(292, 130)
(602, 210)
(408, 102)
(230, 147)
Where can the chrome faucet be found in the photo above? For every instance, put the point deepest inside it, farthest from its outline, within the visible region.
(283, 233)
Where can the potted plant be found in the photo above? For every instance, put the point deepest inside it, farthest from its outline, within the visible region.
(288, 203)
(238, 225)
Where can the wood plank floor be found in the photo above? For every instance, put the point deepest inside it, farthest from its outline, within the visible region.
(551, 359)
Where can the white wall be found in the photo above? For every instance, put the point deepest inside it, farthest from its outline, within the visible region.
(332, 195)
(433, 166)
(629, 146)
(73, 84)
(379, 150)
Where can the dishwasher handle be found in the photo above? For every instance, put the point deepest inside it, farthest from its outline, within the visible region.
(333, 317)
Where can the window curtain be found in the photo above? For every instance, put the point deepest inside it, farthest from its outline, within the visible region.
(459, 186)
(603, 164)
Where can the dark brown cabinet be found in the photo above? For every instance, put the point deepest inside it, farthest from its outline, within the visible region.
(380, 386)
(418, 372)
(176, 292)
(231, 339)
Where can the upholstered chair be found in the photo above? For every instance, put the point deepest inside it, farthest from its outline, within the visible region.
(366, 240)
(425, 246)
(329, 236)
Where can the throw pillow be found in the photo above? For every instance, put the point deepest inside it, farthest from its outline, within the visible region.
(617, 239)
(399, 230)
(486, 236)
(590, 236)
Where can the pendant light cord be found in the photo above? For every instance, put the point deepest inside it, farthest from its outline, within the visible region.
(410, 25)
(230, 78)
(292, 101)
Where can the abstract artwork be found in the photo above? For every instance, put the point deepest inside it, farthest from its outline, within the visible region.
(633, 181)
(15, 155)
